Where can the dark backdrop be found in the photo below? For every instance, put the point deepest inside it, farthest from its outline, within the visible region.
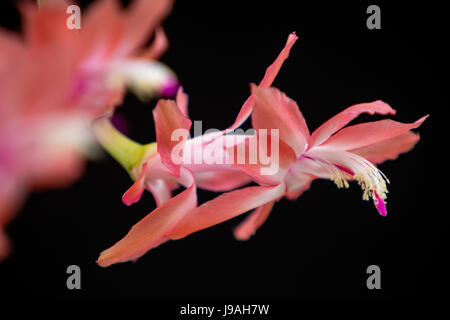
(316, 247)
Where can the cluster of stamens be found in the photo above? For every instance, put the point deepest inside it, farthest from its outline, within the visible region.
(373, 183)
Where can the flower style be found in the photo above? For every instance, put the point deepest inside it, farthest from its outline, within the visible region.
(152, 167)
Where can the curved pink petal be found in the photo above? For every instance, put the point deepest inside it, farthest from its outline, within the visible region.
(102, 30)
(160, 191)
(274, 110)
(134, 193)
(45, 26)
(269, 77)
(168, 118)
(308, 166)
(12, 52)
(158, 46)
(141, 18)
(12, 195)
(337, 122)
(224, 180)
(253, 221)
(208, 151)
(182, 100)
(49, 61)
(388, 149)
(366, 134)
(110, 32)
(153, 229)
(297, 182)
(225, 207)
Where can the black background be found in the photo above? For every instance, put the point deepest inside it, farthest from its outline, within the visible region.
(317, 247)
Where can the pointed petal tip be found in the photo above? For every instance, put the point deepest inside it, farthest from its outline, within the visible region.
(134, 193)
(386, 106)
(421, 120)
(101, 261)
(241, 236)
(293, 36)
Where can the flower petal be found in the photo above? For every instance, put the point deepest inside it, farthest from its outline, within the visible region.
(274, 110)
(225, 207)
(253, 221)
(388, 149)
(297, 182)
(142, 18)
(158, 46)
(269, 77)
(182, 100)
(167, 119)
(5, 246)
(45, 26)
(223, 180)
(110, 32)
(102, 31)
(365, 134)
(337, 122)
(152, 230)
(160, 190)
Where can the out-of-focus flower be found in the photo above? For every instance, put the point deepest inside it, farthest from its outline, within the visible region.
(152, 167)
(38, 150)
(89, 68)
(54, 81)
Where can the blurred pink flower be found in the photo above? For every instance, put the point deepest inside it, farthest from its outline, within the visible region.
(87, 69)
(156, 171)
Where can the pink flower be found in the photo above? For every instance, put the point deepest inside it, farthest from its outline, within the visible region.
(88, 69)
(154, 169)
(38, 150)
(330, 152)
(55, 81)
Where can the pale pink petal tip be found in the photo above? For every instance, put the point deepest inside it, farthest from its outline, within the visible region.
(134, 193)
(380, 205)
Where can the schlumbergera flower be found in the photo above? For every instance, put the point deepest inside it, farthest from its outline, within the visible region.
(330, 152)
(54, 81)
(153, 168)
